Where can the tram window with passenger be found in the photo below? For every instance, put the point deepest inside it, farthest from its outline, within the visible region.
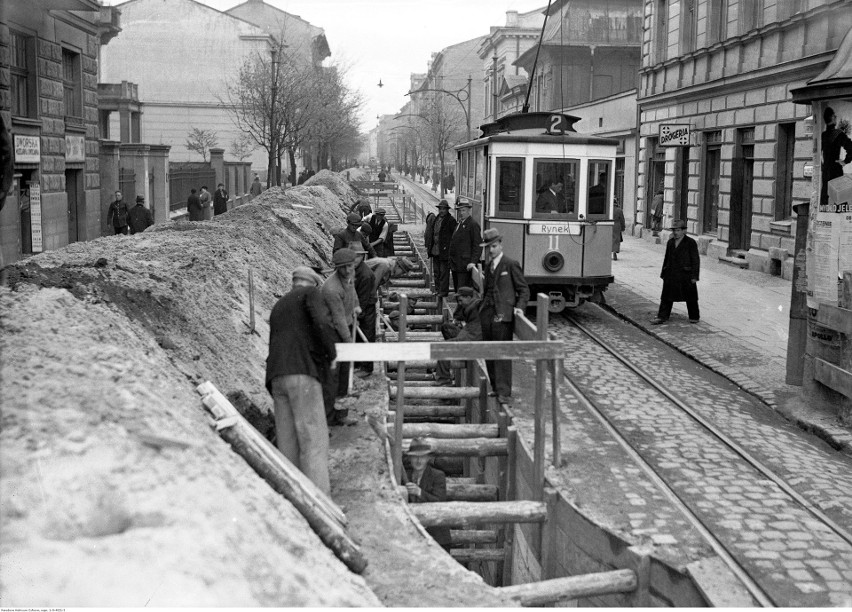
(598, 197)
(555, 189)
(510, 187)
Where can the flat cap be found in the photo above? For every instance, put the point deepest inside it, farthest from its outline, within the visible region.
(342, 257)
(353, 218)
(305, 273)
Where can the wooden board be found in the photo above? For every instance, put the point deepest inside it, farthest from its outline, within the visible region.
(425, 351)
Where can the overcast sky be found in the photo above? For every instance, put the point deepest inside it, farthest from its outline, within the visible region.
(390, 39)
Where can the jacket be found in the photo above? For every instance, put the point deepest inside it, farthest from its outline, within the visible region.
(256, 188)
(139, 218)
(344, 237)
(220, 202)
(472, 331)
(433, 487)
(365, 285)
(681, 265)
(464, 245)
(300, 337)
(548, 201)
(193, 207)
(442, 236)
(117, 214)
(341, 301)
(505, 289)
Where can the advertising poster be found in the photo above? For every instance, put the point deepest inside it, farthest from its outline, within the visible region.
(830, 233)
(35, 216)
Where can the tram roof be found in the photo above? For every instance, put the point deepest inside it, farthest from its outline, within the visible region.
(551, 128)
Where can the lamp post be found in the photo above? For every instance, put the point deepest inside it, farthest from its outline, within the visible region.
(464, 91)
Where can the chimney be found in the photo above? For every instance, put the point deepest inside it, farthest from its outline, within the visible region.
(511, 19)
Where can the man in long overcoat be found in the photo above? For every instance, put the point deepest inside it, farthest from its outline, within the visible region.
(139, 218)
(464, 247)
(301, 347)
(193, 206)
(442, 233)
(681, 266)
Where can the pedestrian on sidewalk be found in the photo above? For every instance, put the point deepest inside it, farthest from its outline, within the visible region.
(681, 266)
(301, 350)
(139, 218)
(442, 234)
(464, 246)
(256, 187)
(504, 296)
(206, 198)
(657, 207)
(618, 228)
(117, 214)
(193, 206)
(220, 200)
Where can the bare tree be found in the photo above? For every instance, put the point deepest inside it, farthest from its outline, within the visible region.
(445, 128)
(201, 141)
(242, 147)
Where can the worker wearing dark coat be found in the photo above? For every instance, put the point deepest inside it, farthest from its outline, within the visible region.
(426, 484)
(139, 218)
(505, 295)
(193, 206)
(378, 232)
(465, 251)
(465, 327)
(365, 287)
(117, 214)
(362, 207)
(618, 227)
(442, 234)
(301, 346)
(350, 234)
(220, 200)
(681, 266)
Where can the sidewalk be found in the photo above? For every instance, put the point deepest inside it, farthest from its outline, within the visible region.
(742, 333)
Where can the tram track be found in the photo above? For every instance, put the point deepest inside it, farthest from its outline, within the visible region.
(637, 447)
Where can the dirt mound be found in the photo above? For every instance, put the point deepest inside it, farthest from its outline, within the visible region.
(103, 343)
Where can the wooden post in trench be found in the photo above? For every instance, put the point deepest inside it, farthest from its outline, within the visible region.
(541, 368)
(399, 417)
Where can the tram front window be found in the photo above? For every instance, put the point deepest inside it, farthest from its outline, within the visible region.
(556, 189)
(510, 187)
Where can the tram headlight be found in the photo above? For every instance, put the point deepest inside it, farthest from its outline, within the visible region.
(553, 261)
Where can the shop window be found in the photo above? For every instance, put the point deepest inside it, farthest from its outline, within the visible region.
(555, 194)
(22, 74)
(510, 187)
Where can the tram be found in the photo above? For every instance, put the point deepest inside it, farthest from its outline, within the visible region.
(549, 191)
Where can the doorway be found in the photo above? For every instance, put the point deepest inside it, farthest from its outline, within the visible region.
(741, 191)
(76, 205)
(712, 169)
(682, 185)
(656, 176)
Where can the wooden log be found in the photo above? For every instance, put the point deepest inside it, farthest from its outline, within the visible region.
(431, 319)
(430, 410)
(331, 532)
(416, 336)
(404, 282)
(447, 514)
(450, 431)
(418, 376)
(423, 382)
(472, 536)
(468, 447)
(437, 392)
(463, 555)
(413, 365)
(471, 492)
(535, 594)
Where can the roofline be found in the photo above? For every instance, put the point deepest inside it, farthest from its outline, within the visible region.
(572, 138)
(206, 6)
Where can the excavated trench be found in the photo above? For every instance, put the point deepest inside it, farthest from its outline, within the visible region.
(116, 490)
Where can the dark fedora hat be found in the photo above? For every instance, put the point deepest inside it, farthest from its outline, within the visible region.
(140, 198)
(443, 204)
(420, 446)
(490, 235)
(678, 224)
(463, 203)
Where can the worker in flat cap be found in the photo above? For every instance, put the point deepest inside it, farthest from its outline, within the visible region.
(386, 268)
(139, 218)
(301, 349)
(465, 327)
(504, 296)
(439, 247)
(362, 207)
(425, 483)
(465, 251)
(365, 287)
(342, 301)
(378, 231)
(350, 234)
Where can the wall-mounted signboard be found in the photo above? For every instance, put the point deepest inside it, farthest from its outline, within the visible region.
(35, 217)
(675, 134)
(27, 149)
(75, 148)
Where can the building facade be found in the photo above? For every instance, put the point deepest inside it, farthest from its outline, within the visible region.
(48, 96)
(719, 131)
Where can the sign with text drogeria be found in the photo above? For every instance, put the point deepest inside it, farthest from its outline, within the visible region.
(675, 134)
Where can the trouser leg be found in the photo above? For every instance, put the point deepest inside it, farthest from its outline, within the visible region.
(367, 323)
(665, 310)
(692, 309)
(329, 391)
(343, 379)
(285, 422)
(311, 428)
(442, 276)
(503, 367)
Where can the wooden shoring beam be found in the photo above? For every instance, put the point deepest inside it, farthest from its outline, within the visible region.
(412, 430)
(448, 514)
(468, 447)
(463, 555)
(430, 410)
(473, 536)
(536, 594)
(436, 392)
(423, 351)
(471, 492)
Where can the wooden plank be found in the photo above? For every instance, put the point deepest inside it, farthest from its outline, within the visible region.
(417, 410)
(540, 415)
(447, 514)
(468, 447)
(430, 430)
(473, 536)
(536, 594)
(437, 392)
(464, 555)
(471, 492)
(556, 374)
(399, 413)
(423, 351)
(416, 336)
(832, 376)
(836, 318)
(430, 319)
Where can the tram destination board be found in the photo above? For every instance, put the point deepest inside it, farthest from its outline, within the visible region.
(554, 228)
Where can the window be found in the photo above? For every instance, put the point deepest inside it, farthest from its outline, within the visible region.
(718, 21)
(786, 139)
(71, 83)
(599, 175)
(712, 171)
(510, 187)
(788, 8)
(480, 173)
(662, 33)
(687, 26)
(469, 170)
(750, 16)
(22, 74)
(555, 189)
